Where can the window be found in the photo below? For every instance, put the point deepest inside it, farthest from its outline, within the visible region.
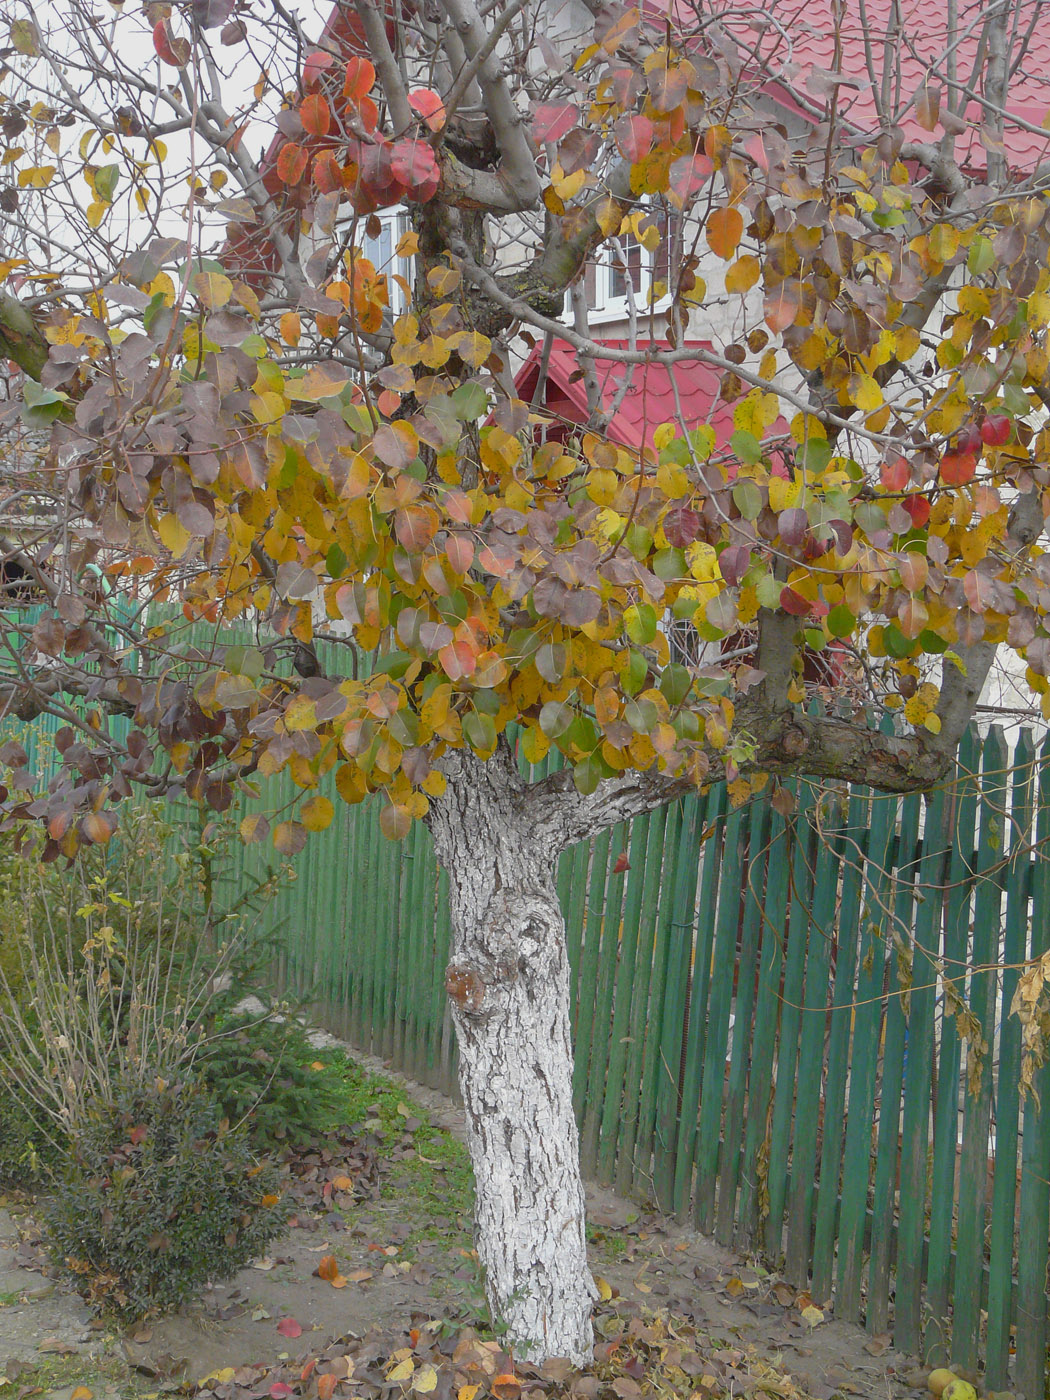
(381, 252)
(641, 257)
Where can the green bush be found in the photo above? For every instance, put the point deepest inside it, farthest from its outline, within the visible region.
(28, 1149)
(160, 1199)
(263, 1072)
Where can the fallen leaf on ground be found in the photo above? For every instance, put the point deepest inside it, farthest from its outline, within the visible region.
(288, 1327)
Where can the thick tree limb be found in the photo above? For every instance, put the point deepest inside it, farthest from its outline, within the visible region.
(518, 157)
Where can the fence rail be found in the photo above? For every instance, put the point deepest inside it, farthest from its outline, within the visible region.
(793, 1031)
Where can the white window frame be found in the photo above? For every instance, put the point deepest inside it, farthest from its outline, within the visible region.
(608, 305)
(381, 253)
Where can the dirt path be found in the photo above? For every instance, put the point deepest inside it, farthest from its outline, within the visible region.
(403, 1260)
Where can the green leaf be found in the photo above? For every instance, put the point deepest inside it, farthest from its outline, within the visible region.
(106, 181)
(816, 455)
(746, 446)
(641, 715)
(634, 676)
(932, 642)
(555, 718)
(670, 564)
(587, 774)
(394, 664)
(980, 257)
(470, 402)
(640, 621)
(41, 406)
(675, 684)
(897, 644)
(335, 562)
(841, 621)
(551, 661)
(480, 731)
(748, 498)
(244, 661)
(24, 39)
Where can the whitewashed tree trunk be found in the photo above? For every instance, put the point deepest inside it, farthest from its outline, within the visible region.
(508, 987)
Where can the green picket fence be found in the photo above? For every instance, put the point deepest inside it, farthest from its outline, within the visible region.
(766, 1030)
(769, 1028)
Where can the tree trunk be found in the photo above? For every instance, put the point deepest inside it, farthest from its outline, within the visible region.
(508, 986)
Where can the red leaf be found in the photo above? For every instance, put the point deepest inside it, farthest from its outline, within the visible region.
(328, 173)
(780, 310)
(996, 430)
(895, 475)
(682, 526)
(326, 1385)
(792, 525)
(918, 507)
(174, 52)
(622, 863)
(793, 602)
(360, 76)
(553, 120)
(291, 163)
(315, 115)
(137, 1135)
(459, 660)
(957, 468)
(688, 174)
(413, 164)
(634, 137)
(316, 64)
(734, 562)
(429, 106)
(979, 590)
(280, 1391)
(288, 1327)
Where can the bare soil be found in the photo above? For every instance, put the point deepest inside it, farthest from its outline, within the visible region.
(403, 1261)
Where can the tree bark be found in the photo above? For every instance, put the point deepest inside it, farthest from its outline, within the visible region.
(508, 986)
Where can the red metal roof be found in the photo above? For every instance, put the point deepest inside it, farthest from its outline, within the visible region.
(796, 36)
(650, 400)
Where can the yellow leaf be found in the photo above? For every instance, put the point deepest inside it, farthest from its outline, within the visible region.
(82, 1392)
(268, 407)
(96, 212)
(602, 487)
(173, 536)
(36, 177)
(864, 391)
(213, 289)
(568, 186)
(253, 828)
(743, 274)
(813, 1316)
(604, 1291)
(467, 1392)
(608, 217)
(402, 1370)
(291, 328)
(426, 1380)
(407, 245)
(320, 382)
(222, 1376)
(317, 814)
(943, 242)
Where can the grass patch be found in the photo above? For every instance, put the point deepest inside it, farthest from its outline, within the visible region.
(99, 1374)
(428, 1172)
